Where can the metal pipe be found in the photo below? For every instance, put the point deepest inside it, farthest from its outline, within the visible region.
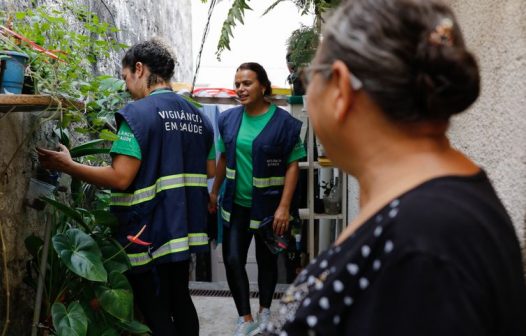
(41, 276)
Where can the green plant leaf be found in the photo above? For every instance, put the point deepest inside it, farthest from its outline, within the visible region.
(191, 101)
(135, 327)
(110, 332)
(112, 84)
(88, 148)
(81, 254)
(71, 321)
(105, 218)
(116, 297)
(66, 210)
(115, 258)
(108, 135)
(62, 134)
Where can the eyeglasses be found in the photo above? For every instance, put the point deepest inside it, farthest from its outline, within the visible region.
(326, 70)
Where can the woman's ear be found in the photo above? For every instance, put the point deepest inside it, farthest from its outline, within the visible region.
(139, 69)
(343, 92)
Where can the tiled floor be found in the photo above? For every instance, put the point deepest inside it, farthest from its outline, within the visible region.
(218, 315)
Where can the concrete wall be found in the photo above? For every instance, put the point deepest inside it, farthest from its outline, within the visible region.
(493, 131)
(19, 132)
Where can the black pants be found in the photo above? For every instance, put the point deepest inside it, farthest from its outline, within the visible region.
(163, 297)
(236, 241)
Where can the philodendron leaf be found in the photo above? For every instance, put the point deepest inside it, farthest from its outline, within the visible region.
(115, 259)
(110, 332)
(116, 297)
(81, 254)
(71, 321)
(134, 327)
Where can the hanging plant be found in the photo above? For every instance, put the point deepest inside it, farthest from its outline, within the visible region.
(301, 46)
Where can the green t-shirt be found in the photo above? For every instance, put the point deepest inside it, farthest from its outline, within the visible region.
(127, 144)
(250, 128)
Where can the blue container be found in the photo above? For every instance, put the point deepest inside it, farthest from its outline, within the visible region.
(12, 71)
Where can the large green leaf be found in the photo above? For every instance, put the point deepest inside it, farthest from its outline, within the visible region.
(110, 332)
(81, 254)
(88, 148)
(71, 321)
(115, 259)
(116, 297)
(134, 327)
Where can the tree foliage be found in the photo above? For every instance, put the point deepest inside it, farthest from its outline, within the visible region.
(238, 8)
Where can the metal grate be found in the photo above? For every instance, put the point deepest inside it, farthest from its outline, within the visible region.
(227, 293)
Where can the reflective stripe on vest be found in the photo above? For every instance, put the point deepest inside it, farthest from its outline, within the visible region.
(163, 183)
(259, 182)
(225, 214)
(230, 173)
(197, 239)
(254, 224)
(173, 246)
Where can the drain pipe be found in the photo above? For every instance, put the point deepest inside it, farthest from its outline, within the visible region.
(41, 276)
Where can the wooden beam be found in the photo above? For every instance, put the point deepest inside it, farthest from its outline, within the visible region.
(33, 103)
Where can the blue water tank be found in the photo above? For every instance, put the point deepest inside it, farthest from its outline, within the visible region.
(12, 69)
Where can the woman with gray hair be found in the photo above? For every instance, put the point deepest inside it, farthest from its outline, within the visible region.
(432, 250)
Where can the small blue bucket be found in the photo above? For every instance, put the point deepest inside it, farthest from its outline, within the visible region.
(12, 71)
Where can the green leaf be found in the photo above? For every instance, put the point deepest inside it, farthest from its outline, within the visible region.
(108, 135)
(71, 321)
(112, 84)
(88, 148)
(116, 297)
(62, 134)
(135, 327)
(235, 13)
(191, 101)
(115, 259)
(66, 210)
(110, 332)
(81, 254)
(104, 218)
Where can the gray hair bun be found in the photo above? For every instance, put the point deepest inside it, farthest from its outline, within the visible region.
(409, 54)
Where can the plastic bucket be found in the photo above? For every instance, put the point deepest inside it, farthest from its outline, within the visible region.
(12, 71)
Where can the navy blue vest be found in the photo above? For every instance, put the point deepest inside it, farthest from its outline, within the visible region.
(270, 152)
(169, 194)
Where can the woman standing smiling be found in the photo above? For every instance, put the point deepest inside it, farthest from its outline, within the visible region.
(260, 146)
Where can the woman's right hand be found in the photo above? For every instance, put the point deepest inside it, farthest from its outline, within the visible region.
(212, 203)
